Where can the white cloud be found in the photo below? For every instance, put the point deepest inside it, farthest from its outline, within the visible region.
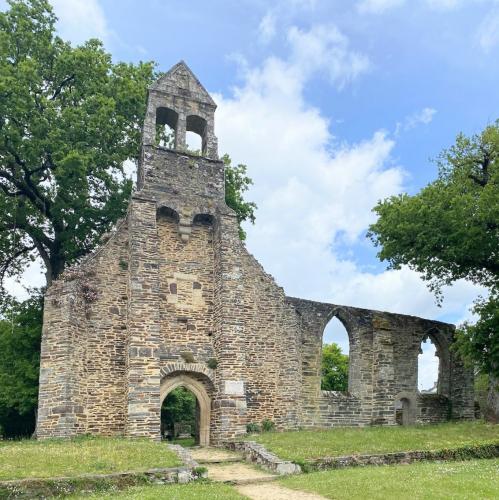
(377, 6)
(314, 191)
(422, 117)
(488, 31)
(325, 48)
(80, 20)
(267, 27)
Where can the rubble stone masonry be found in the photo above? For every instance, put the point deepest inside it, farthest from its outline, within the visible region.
(172, 297)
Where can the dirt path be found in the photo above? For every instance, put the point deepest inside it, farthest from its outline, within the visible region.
(271, 491)
(253, 482)
(214, 455)
(239, 473)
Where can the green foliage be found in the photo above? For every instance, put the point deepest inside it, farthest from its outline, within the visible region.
(200, 470)
(165, 136)
(479, 343)
(334, 368)
(20, 333)
(69, 118)
(178, 406)
(253, 428)
(268, 425)
(212, 363)
(450, 230)
(236, 183)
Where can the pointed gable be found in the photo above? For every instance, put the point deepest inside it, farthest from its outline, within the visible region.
(180, 81)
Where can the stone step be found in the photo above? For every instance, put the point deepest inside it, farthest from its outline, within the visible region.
(228, 460)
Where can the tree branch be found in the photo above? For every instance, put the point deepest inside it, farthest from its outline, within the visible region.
(61, 86)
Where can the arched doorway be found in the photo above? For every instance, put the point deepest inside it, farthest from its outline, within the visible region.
(402, 411)
(405, 409)
(203, 402)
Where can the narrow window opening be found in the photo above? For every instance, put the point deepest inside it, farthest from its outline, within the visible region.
(180, 417)
(335, 357)
(428, 367)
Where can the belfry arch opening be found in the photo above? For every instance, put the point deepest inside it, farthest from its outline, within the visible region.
(335, 357)
(166, 127)
(185, 410)
(428, 366)
(196, 134)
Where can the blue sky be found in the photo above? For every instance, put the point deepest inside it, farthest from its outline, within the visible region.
(332, 105)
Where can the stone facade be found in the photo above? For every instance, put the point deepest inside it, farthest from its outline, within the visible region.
(172, 297)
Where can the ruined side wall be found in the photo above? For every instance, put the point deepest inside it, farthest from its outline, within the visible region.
(329, 408)
(383, 368)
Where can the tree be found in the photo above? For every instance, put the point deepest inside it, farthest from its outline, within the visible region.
(449, 231)
(69, 118)
(236, 183)
(20, 333)
(334, 368)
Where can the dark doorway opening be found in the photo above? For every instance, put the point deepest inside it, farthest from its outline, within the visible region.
(180, 417)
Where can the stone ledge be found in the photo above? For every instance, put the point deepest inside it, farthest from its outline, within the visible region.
(404, 457)
(184, 455)
(61, 486)
(256, 453)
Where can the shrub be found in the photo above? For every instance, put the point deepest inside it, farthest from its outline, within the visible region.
(253, 428)
(268, 425)
(212, 363)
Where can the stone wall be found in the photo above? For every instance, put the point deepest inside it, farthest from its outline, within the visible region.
(383, 368)
(173, 297)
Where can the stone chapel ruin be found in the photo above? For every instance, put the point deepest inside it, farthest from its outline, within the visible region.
(173, 298)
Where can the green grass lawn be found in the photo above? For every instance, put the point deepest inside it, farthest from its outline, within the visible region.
(306, 445)
(193, 491)
(473, 479)
(51, 458)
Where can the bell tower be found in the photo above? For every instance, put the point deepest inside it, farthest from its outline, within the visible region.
(179, 101)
